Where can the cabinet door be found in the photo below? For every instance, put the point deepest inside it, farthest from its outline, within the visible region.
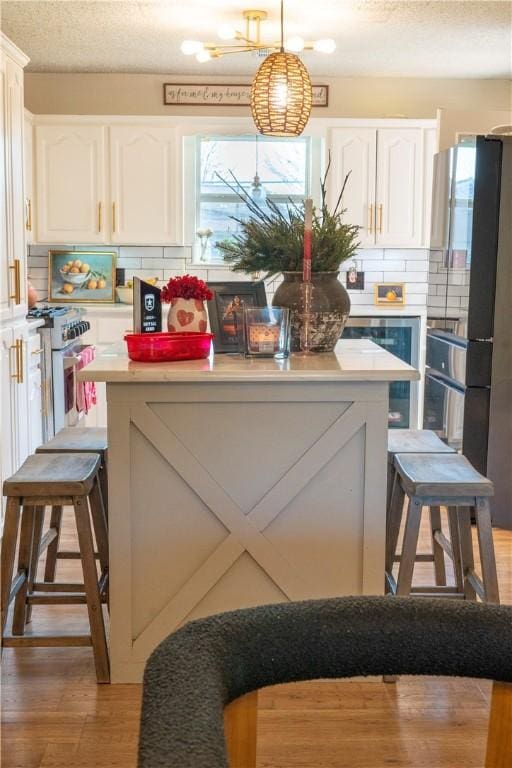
(27, 177)
(429, 150)
(70, 175)
(145, 206)
(6, 408)
(399, 196)
(16, 254)
(354, 150)
(21, 394)
(5, 272)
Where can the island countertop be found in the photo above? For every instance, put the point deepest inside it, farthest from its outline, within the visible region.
(352, 360)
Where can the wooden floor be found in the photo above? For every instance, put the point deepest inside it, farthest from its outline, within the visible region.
(54, 714)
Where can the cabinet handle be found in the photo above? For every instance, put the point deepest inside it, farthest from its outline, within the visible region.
(370, 218)
(99, 217)
(18, 347)
(113, 217)
(28, 220)
(17, 286)
(37, 351)
(380, 219)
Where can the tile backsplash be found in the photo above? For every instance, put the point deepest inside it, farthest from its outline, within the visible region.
(409, 266)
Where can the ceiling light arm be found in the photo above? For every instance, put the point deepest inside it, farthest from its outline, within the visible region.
(282, 26)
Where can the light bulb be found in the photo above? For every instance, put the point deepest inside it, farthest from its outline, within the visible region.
(203, 56)
(294, 44)
(226, 32)
(324, 45)
(189, 47)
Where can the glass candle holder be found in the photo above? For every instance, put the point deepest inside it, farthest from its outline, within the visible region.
(266, 332)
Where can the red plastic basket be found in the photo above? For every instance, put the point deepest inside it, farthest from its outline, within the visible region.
(166, 347)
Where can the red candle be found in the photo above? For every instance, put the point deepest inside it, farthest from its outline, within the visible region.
(308, 236)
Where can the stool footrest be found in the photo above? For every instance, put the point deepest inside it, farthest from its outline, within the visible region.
(54, 586)
(440, 589)
(46, 641)
(421, 558)
(62, 598)
(68, 555)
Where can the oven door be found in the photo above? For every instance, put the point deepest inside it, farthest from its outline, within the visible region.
(444, 408)
(64, 370)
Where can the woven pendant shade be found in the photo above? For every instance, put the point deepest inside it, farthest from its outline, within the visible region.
(281, 95)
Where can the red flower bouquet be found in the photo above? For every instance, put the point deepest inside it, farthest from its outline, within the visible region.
(186, 287)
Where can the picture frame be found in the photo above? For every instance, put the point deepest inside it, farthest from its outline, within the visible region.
(81, 277)
(389, 294)
(223, 320)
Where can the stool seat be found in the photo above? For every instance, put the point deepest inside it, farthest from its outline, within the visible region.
(54, 474)
(77, 440)
(440, 475)
(415, 441)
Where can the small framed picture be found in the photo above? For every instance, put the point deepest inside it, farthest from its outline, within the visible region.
(82, 277)
(226, 308)
(389, 294)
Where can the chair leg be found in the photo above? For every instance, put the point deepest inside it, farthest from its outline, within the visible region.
(409, 547)
(99, 523)
(9, 539)
(34, 559)
(24, 558)
(393, 521)
(437, 550)
(98, 637)
(499, 738)
(486, 546)
(240, 728)
(466, 551)
(453, 522)
(53, 546)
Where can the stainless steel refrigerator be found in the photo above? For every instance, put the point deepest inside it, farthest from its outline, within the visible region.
(468, 384)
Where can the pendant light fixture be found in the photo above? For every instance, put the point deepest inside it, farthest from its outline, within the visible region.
(257, 191)
(281, 96)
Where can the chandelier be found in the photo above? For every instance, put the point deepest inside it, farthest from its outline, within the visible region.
(281, 97)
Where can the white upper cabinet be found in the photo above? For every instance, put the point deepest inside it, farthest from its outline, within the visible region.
(389, 190)
(399, 191)
(28, 177)
(71, 183)
(142, 173)
(353, 151)
(13, 290)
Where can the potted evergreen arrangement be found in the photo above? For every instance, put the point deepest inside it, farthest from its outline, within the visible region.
(271, 241)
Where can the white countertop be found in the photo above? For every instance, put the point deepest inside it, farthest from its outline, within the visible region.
(353, 360)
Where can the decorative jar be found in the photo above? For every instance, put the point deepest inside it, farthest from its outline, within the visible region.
(187, 315)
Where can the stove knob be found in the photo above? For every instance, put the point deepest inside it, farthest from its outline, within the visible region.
(87, 325)
(71, 333)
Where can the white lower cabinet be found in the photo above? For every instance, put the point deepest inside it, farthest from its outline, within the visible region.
(7, 419)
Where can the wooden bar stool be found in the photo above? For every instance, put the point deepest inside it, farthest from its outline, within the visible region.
(74, 440)
(55, 480)
(449, 480)
(412, 441)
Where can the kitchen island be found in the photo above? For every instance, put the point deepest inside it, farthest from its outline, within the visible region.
(235, 482)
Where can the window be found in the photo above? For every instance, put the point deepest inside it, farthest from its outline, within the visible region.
(282, 165)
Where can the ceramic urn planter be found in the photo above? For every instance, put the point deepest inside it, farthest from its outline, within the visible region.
(186, 315)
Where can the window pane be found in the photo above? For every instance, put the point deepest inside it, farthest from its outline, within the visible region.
(282, 166)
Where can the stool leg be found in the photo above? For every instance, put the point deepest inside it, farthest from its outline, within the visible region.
(34, 559)
(486, 546)
(437, 550)
(409, 547)
(466, 550)
(98, 637)
(499, 739)
(100, 527)
(24, 557)
(394, 518)
(9, 538)
(390, 484)
(453, 522)
(53, 547)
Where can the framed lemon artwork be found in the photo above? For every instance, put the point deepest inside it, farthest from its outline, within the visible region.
(389, 294)
(82, 277)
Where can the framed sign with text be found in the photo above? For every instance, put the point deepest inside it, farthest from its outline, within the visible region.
(224, 94)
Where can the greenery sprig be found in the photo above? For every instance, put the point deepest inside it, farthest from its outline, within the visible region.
(272, 241)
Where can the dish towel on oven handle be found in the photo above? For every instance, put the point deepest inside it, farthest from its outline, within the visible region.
(85, 390)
